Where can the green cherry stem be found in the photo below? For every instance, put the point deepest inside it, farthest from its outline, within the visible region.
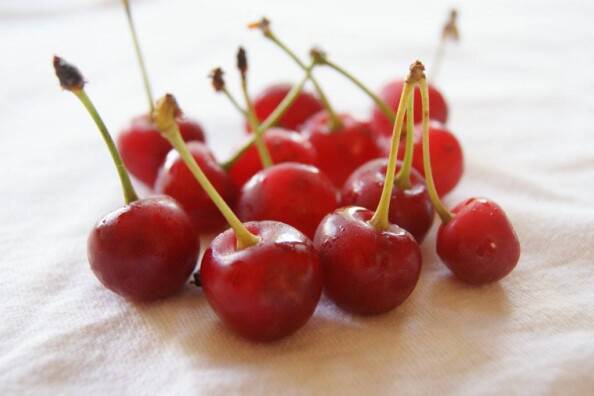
(164, 117)
(139, 57)
(72, 80)
(218, 83)
(403, 176)
(264, 26)
(321, 58)
(272, 118)
(263, 152)
(449, 32)
(380, 218)
(440, 208)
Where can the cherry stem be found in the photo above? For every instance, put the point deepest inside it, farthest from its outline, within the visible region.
(272, 118)
(264, 25)
(403, 176)
(263, 152)
(449, 32)
(139, 57)
(380, 219)
(164, 117)
(440, 208)
(218, 83)
(321, 59)
(72, 80)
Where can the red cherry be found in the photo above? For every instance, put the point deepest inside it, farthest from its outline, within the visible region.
(390, 94)
(304, 106)
(176, 180)
(447, 158)
(479, 244)
(366, 271)
(145, 250)
(341, 151)
(411, 209)
(296, 194)
(284, 146)
(266, 291)
(143, 149)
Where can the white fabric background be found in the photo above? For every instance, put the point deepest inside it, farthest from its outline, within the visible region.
(519, 87)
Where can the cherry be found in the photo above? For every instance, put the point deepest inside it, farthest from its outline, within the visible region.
(341, 150)
(475, 240)
(447, 158)
(305, 105)
(391, 93)
(410, 208)
(263, 278)
(141, 146)
(370, 266)
(267, 291)
(178, 182)
(296, 194)
(145, 250)
(284, 146)
(143, 149)
(479, 244)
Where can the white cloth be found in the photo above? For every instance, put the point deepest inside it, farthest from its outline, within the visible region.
(519, 86)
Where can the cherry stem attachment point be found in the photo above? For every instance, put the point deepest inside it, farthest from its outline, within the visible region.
(164, 116)
(72, 80)
(272, 118)
(264, 26)
(321, 58)
(218, 83)
(139, 57)
(403, 176)
(242, 66)
(440, 208)
(380, 219)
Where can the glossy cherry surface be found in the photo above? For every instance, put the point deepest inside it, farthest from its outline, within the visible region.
(411, 209)
(447, 157)
(176, 180)
(266, 291)
(304, 106)
(143, 149)
(366, 271)
(296, 194)
(283, 145)
(343, 150)
(479, 244)
(145, 250)
(390, 94)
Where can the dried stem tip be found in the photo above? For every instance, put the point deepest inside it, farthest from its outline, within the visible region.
(218, 82)
(242, 63)
(318, 56)
(69, 76)
(263, 24)
(416, 72)
(166, 110)
(450, 29)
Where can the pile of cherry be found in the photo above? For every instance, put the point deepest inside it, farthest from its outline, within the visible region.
(315, 200)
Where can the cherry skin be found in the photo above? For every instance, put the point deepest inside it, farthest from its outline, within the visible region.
(304, 106)
(145, 250)
(296, 194)
(176, 180)
(283, 145)
(479, 244)
(447, 158)
(341, 151)
(411, 209)
(366, 271)
(390, 94)
(143, 149)
(266, 291)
